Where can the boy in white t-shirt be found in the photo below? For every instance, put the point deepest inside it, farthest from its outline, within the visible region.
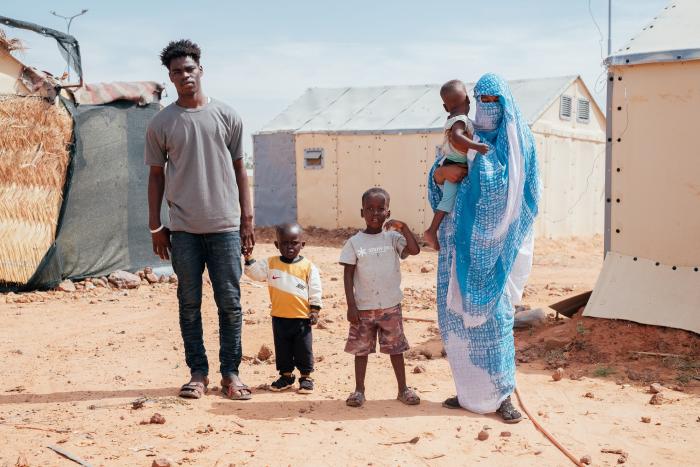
(373, 291)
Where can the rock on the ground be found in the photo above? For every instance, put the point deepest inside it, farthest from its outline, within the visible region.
(264, 353)
(558, 374)
(419, 369)
(90, 286)
(505, 434)
(657, 399)
(529, 318)
(157, 419)
(151, 278)
(99, 282)
(646, 419)
(586, 460)
(655, 388)
(147, 270)
(483, 435)
(21, 461)
(427, 267)
(141, 274)
(66, 286)
(173, 279)
(162, 463)
(163, 279)
(124, 280)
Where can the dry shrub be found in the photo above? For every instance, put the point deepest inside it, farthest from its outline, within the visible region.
(34, 155)
(8, 44)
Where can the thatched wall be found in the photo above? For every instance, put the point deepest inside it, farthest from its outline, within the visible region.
(34, 156)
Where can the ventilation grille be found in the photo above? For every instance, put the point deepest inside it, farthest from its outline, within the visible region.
(313, 158)
(583, 110)
(565, 108)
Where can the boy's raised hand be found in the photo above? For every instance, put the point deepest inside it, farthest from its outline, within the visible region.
(393, 224)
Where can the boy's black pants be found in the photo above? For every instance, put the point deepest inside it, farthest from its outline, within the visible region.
(293, 344)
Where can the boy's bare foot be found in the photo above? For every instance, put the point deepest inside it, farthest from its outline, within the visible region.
(431, 239)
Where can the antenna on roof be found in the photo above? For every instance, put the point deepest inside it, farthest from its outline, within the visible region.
(609, 27)
(68, 19)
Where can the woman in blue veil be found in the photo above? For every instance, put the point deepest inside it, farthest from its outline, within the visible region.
(481, 240)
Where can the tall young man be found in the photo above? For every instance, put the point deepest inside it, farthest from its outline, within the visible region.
(195, 154)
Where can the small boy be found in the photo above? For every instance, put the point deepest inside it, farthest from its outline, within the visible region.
(295, 292)
(373, 292)
(456, 102)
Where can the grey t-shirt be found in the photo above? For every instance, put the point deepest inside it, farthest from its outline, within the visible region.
(377, 268)
(199, 146)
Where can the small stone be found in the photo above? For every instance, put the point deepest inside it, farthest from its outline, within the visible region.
(657, 399)
(163, 279)
(124, 280)
(141, 274)
(147, 270)
(558, 374)
(321, 325)
(151, 278)
(157, 419)
(334, 279)
(505, 434)
(90, 286)
(646, 419)
(655, 388)
(483, 435)
(427, 267)
(173, 279)
(264, 353)
(586, 460)
(419, 369)
(99, 282)
(621, 460)
(589, 395)
(66, 286)
(162, 463)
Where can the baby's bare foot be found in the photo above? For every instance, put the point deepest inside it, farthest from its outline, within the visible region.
(431, 239)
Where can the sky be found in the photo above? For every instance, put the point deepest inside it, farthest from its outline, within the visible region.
(260, 56)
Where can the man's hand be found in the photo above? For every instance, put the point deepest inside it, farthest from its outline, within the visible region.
(481, 148)
(353, 314)
(161, 244)
(313, 317)
(247, 238)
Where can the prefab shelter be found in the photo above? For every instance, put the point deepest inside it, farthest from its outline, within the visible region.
(72, 181)
(315, 159)
(651, 272)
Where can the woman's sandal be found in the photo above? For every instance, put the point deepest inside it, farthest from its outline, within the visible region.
(236, 392)
(356, 399)
(409, 397)
(193, 390)
(508, 413)
(451, 403)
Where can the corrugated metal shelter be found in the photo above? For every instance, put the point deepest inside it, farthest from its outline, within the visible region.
(652, 221)
(315, 159)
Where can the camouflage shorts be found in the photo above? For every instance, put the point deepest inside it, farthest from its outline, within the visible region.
(388, 323)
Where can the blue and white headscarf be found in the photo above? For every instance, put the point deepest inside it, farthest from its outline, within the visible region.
(496, 205)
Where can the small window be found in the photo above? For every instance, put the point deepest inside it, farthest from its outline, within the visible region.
(313, 158)
(583, 110)
(565, 108)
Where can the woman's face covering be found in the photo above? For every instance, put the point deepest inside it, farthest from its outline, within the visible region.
(488, 115)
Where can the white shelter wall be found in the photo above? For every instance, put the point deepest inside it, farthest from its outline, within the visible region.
(655, 165)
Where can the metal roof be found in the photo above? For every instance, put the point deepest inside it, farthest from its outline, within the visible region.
(672, 36)
(398, 108)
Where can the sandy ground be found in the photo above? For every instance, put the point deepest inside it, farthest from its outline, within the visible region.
(72, 363)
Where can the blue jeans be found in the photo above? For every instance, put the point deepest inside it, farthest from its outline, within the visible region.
(221, 253)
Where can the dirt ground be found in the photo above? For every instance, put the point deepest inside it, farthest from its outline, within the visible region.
(73, 363)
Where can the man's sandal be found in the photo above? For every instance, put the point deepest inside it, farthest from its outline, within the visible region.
(409, 397)
(508, 413)
(356, 399)
(193, 390)
(237, 392)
